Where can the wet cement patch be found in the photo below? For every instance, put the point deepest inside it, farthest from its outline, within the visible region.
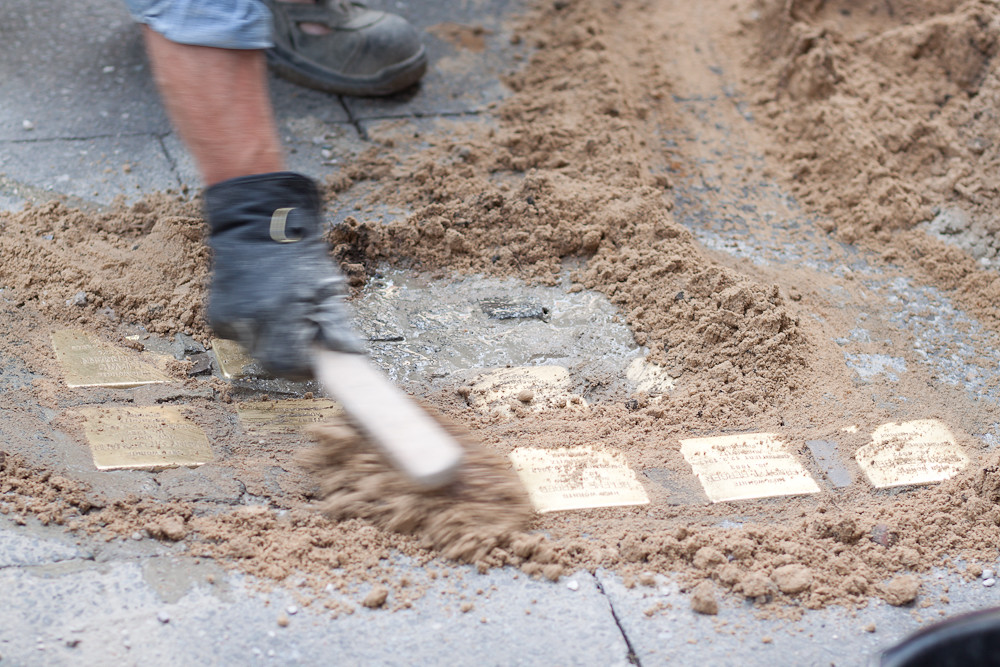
(438, 332)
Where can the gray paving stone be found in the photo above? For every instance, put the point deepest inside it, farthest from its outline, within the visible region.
(209, 483)
(73, 70)
(291, 101)
(110, 613)
(446, 335)
(824, 453)
(95, 170)
(684, 487)
(17, 548)
(737, 637)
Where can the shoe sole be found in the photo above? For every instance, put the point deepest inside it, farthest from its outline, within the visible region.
(390, 80)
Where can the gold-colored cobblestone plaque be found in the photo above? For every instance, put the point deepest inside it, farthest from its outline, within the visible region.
(287, 416)
(537, 388)
(915, 452)
(234, 362)
(746, 466)
(148, 438)
(87, 361)
(575, 478)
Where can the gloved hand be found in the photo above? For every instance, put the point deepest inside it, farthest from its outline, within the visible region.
(274, 287)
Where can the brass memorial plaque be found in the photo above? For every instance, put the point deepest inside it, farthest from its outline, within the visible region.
(538, 388)
(147, 438)
(287, 416)
(87, 361)
(576, 478)
(915, 452)
(649, 378)
(234, 362)
(746, 466)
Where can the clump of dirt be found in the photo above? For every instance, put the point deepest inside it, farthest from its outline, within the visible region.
(49, 497)
(885, 116)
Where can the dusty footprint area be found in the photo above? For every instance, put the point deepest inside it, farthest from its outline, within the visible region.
(747, 183)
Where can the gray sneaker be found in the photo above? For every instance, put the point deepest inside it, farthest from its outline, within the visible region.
(366, 52)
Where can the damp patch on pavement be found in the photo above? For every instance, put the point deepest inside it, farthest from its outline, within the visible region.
(870, 366)
(148, 438)
(923, 451)
(576, 478)
(746, 466)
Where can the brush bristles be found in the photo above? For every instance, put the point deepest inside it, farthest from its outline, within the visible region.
(486, 508)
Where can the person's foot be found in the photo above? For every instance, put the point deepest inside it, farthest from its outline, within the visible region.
(343, 47)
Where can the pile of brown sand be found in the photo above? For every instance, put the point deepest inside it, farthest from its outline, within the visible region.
(885, 115)
(145, 263)
(568, 176)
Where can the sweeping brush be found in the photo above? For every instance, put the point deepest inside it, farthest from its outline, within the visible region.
(409, 438)
(375, 464)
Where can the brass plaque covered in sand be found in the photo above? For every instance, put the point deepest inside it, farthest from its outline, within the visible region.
(649, 378)
(536, 388)
(916, 452)
(146, 438)
(234, 362)
(285, 416)
(87, 361)
(576, 478)
(746, 466)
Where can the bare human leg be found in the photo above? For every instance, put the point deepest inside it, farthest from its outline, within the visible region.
(218, 101)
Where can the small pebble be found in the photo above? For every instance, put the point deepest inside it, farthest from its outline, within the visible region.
(987, 574)
(573, 585)
(282, 621)
(27, 125)
(137, 536)
(989, 582)
(163, 617)
(526, 396)
(376, 597)
(292, 610)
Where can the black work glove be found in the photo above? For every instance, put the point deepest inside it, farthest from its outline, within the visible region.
(275, 289)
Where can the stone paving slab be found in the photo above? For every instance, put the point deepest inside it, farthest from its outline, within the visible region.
(738, 637)
(162, 611)
(73, 70)
(18, 547)
(92, 169)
